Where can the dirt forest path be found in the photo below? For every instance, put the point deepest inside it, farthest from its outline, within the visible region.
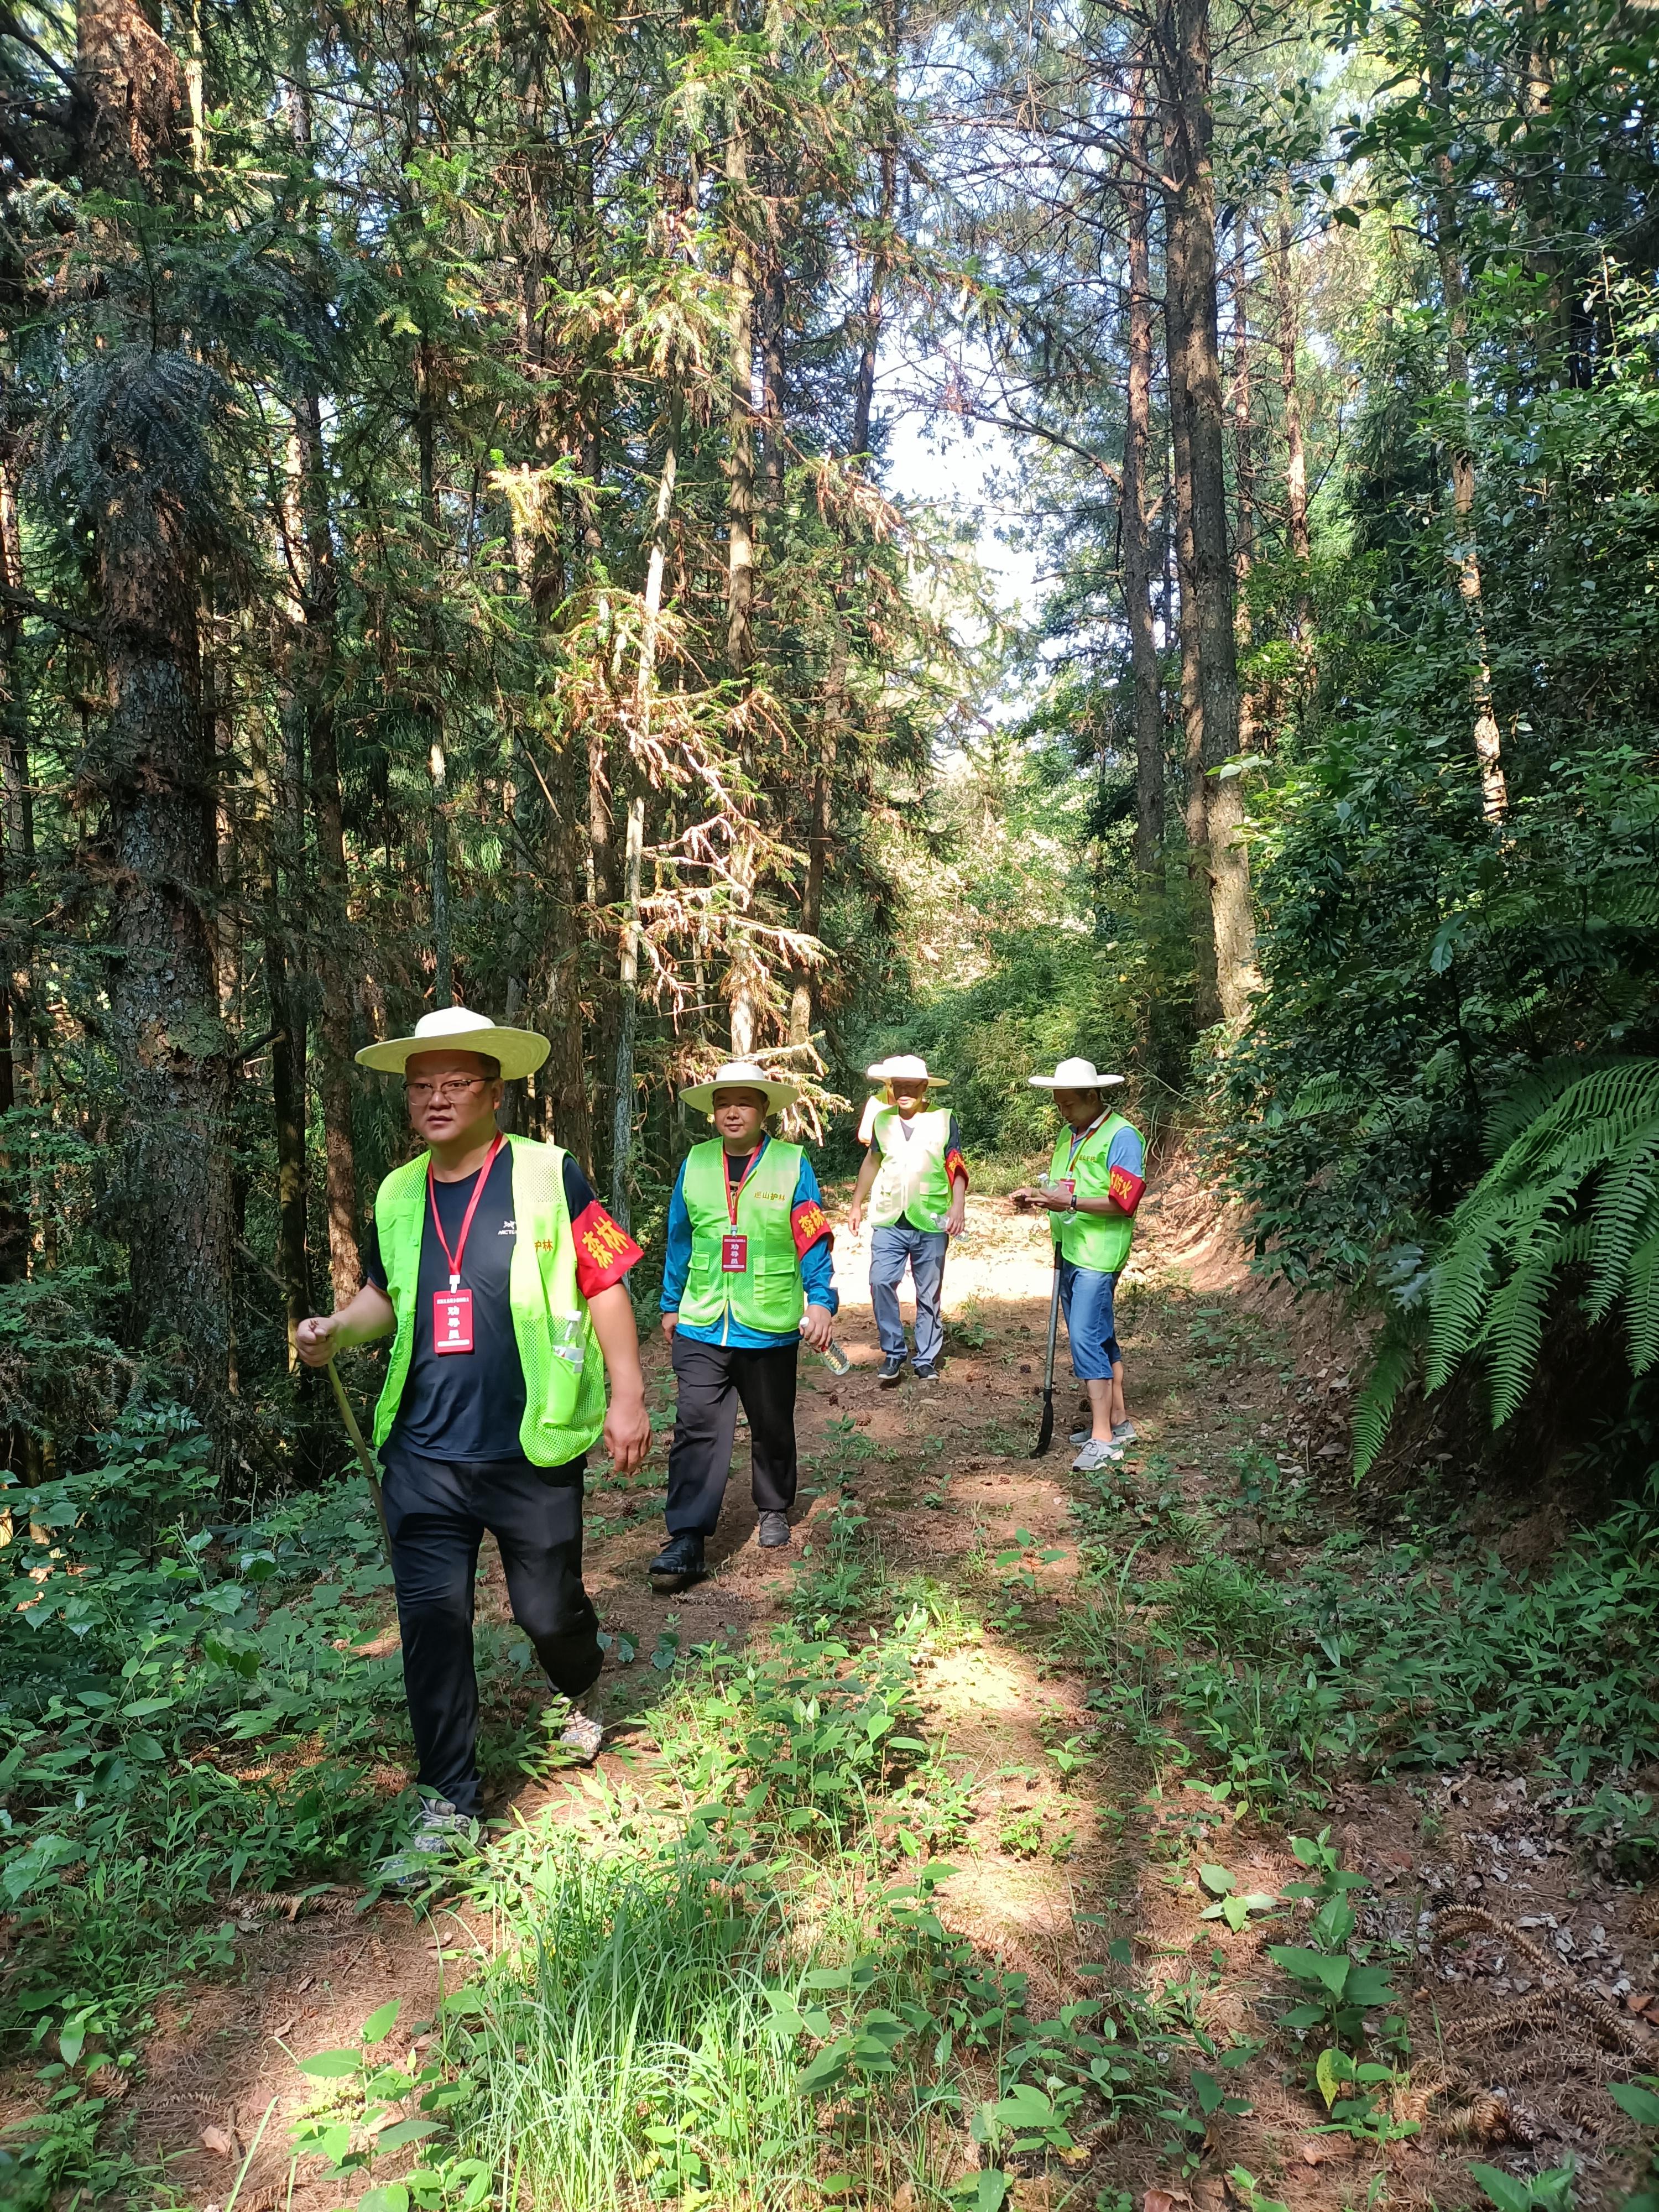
(1056, 1864)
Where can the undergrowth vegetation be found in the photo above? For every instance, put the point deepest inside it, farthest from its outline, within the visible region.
(1260, 1632)
(732, 1986)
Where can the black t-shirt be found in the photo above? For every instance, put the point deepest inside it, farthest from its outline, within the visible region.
(469, 1405)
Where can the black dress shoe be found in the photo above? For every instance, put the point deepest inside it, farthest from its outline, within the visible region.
(680, 1561)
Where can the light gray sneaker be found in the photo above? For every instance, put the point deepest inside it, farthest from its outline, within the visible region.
(582, 1736)
(1124, 1433)
(1081, 1435)
(1096, 1453)
(773, 1533)
(439, 1833)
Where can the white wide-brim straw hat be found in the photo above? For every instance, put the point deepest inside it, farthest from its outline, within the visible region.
(740, 1075)
(908, 1064)
(457, 1028)
(1075, 1075)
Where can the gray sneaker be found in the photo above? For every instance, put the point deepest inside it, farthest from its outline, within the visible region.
(774, 1531)
(440, 1833)
(1124, 1433)
(1096, 1453)
(1081, 1435)
(582, 1736)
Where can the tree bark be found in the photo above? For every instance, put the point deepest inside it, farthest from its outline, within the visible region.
(1196, 370)
(153, 772)
(316, 679)
(623, 1105)
(1288, 310)
(1148, 714)
(740, 413)
(1462, 552)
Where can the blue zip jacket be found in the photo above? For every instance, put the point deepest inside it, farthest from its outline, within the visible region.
(817, 1272)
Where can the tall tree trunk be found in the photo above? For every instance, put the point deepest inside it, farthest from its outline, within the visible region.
(740, 412)
(1195, 796)
(1288, 311)
(1196, 367)
(621, 1153)
(316, 678)
(153, 773)
(1462, 550)
(1148, 713)
(17, 850)
(284, 896)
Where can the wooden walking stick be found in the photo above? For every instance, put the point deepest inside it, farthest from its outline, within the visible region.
(1046, 1433)
(366, 1458)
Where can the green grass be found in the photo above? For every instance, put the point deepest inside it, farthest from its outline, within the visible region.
(1370, 1656)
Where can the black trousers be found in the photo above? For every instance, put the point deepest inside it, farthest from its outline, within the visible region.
(437, 1512)
(714, 1379)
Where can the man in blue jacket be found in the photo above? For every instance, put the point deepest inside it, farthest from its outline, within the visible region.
(747, 1275)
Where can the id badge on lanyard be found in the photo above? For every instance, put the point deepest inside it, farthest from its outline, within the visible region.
(452, 1309)
(734, 1245)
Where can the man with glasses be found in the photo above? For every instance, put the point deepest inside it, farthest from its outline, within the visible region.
(498, 1276)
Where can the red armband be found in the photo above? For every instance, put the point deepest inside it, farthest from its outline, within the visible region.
(956, 1166)
(604, 1252)
(1124, 1189)
(809, 1222)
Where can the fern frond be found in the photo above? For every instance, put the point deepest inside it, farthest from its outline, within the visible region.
(1642, 1306)
(1395, 1356)
(1624, 1213)
(1515, 1334)
(1577, 1182)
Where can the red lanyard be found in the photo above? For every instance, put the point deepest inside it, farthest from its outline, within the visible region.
(733, 1196)
(1078, 1143)
(454, 1257)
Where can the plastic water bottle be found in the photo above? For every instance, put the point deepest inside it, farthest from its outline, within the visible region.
(835, 1359)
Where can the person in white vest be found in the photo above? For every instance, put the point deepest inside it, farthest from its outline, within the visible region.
(914, 1182)
(1094, 1183)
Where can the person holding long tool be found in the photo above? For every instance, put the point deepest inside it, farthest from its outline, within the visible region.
(747, 1274)
(1094, 1183)
(498, 1276)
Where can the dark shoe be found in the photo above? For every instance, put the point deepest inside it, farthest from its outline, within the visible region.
(890, 1368)
(774, 1531)
(927, 1375)
(679, 1561)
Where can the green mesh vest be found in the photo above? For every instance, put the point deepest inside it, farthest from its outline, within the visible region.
(1099, 1241)
(563, 1367)
(767, 1294)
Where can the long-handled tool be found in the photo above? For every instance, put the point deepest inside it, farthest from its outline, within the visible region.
(366, 1458)
(1046, 1433)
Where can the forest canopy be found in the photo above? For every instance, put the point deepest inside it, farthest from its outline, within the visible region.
(449, 553)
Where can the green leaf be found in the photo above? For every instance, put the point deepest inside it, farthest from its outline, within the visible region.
(1508, 2194)
(1317, 1968)
(382, 2021)
(389, 2197)
(1217, 1880)
(1640, 2103)
(404, 2132)
(330, 2065)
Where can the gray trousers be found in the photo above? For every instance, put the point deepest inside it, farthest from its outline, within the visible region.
(922, 1251)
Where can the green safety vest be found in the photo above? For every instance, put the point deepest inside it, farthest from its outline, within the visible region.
(1099, 1241)
(767, 1294)
(563, 1367)
(912, 1178)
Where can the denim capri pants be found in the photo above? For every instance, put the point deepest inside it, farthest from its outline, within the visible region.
(1086, 1299)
